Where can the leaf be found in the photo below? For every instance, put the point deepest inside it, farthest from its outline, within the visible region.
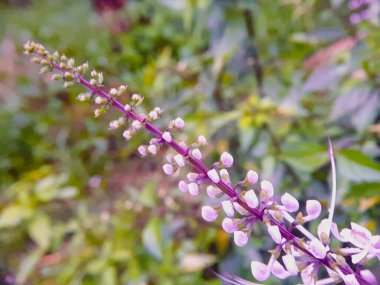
(152, 237)
(305, 156)
(357, 167)
(323, 78)
(27, 265)
(40, 230)
(367, 189)
(148, 196)
(109, 275)
(13, 215)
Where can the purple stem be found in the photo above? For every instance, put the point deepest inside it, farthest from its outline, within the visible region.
(227, 189)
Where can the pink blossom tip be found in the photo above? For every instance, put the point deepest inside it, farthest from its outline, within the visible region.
(229, 225)
(168, 169)
(252, 177)
(290, 203)
(226, 159)
(193, 189)
(251, 198)
(213, 175)
(240, 238)
(209, 214)
(260, 270)
(167, 137)
(182, 185)
(313, 209)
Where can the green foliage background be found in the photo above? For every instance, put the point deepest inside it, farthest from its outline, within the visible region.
(267, 80)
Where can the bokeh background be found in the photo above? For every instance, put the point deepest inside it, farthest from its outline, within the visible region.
(267, 80)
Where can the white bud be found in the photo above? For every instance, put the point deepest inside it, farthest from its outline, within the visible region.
(196, 153)
(252, 177)
(152, 149)
(260, 270)
(290, 203)
(127, 107)
(142, 149)
(183, 186)
(227, 159)
(317, 248)
(240, 238)
(136, 125)
(228, 208)
(114, 124)
(209, 214)
(229, 226)
(193, 189)
(274, 232)
(167, 137)
(213, 192)
(168, 169)
(179, 160)
(213, 175)
(179, 123)
(267, 187)
(153, 115)
(192, 177)
(225, 176)
(240, 209)
(290, 264)
(113, 92)
(251, 198)
(127, 134)
(202, 140)
(313, 209)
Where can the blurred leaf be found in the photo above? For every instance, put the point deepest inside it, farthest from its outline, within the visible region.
(357, 167)
(368, 189)
(13, 215)
(109, 276)
(152, 237)
(40, 230)
(148, 196)
(304, 156)
(27, 265)
(323, 78)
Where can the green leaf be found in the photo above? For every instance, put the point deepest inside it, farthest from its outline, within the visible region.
(40, 230)
(148, 196)
(305, 156)
(368, 190)
(152, 237)
(28, 264)
(13, 215)
(357, 167)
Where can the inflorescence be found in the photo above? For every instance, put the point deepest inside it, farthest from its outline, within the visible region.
(243, 204)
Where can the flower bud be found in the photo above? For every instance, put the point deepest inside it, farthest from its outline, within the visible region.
(260, 270)
(213, 192)
(209, 214)
(153, 115)
(202, 140)
(183, 186)
(113, 92)
(179, 160)
(127, 134)
(127, 107)
(267, 188)
(317, 249)
(274, 232)
(193, 189)
(313, 209)
(136, 125)
(240, 238)
(290, 203)
(152, 149)
(179, 123)
(225, 176)
(168, 169)
(196, 153)
(251, 199)
(167, 137)
(252, 177)
(213, 175)
(229, 226)
(290, 264)
(279, 271)
(228, 208)
(192, 177)
(226, 159)
(142, 149)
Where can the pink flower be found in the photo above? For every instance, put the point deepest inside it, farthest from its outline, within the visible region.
(227, 159)
(209, 213)
(228, 208)
(240, 238)
(251, 199)
(183, 186)
(313, 209)
(229, 225)
(260, 270)
(193, 189)
(167, 137)
(252, 177)
(290, 203)
(274, 232)
(213, 175)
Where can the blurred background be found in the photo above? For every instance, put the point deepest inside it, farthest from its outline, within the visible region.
(267, 80)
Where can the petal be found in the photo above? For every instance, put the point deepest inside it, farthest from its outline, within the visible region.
(274, 232)
(317, 248)
(260, 270)
(279, 271)
(251, 198)
(290, 264)
(290, 203)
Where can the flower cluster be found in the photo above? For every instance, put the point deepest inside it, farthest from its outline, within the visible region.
(364, 10)
(243, 204)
